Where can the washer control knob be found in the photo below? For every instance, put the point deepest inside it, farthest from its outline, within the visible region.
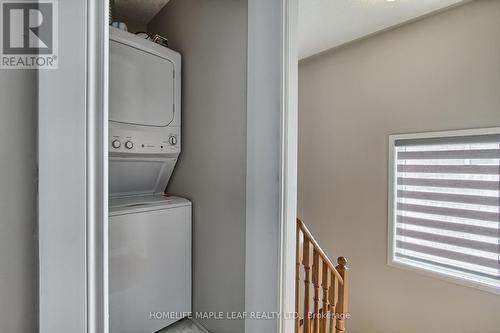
(116, 144)
(129, 145)
(172, 140)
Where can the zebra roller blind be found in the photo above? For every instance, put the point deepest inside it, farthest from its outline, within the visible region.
(446, 200)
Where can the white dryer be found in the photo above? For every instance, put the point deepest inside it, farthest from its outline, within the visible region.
(144, 114)
(149, 233)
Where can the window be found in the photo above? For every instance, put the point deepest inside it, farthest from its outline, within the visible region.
(444, 200)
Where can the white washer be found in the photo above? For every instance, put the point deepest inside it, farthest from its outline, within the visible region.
(149, 262)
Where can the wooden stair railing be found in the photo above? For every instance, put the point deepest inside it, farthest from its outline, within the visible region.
(330, 286)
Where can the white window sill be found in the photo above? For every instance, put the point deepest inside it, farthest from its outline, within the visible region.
(444, 274)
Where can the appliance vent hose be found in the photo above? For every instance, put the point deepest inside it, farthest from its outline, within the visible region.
(111, 5)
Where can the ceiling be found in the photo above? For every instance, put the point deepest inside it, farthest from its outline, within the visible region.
(138, 11)
(325, 24)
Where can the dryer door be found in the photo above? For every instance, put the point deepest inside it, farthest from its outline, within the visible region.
(141, 89)
(139, 175)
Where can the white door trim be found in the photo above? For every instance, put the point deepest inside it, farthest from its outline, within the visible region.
(97, 166)
(289, 146)
(72, 155)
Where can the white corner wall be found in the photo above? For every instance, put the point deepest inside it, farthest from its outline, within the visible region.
(262, 255)
(212, 38)
(440, 73)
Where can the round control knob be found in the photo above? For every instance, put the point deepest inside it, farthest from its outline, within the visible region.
(116, 144)
(129, 145)
(172, 140)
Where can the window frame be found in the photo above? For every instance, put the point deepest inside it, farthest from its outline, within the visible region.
(417, 267)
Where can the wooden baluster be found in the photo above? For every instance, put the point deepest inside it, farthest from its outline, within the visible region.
(343, 297)
(298, 260)
(326, 286)
(306, 261)
(332, 297)
(316, 278)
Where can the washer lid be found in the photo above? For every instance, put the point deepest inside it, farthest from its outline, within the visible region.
(138, 204)
(141, 86)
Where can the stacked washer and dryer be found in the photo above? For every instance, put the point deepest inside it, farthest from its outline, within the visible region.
(149, 232)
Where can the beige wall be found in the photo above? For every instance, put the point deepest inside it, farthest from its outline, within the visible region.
(212, 38)
(18, 198)
(440, 73)
(132, 26)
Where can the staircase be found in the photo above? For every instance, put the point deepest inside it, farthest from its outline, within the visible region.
(321, 306)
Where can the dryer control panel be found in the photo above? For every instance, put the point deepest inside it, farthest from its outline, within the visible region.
(124, 138)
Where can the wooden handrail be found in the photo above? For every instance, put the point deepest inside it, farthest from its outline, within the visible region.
(316, 246)
(329, 283)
